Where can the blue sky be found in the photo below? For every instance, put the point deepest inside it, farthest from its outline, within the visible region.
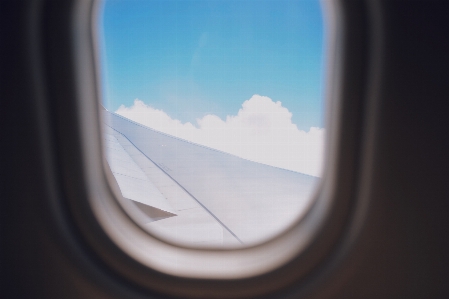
(193, 58)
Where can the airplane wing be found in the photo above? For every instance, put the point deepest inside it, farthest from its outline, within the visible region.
(208, 196)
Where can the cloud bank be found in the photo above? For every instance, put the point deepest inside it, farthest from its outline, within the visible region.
(262, 131)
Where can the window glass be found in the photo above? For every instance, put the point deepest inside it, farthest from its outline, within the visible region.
(213, 120)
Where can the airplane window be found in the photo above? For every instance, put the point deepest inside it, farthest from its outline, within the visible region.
(213, 123)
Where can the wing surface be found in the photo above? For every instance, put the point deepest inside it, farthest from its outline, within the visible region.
(215, 194)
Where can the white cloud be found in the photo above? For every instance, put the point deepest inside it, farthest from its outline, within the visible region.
(262, 131)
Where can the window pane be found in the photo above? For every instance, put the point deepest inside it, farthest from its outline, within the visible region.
(213, 125)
